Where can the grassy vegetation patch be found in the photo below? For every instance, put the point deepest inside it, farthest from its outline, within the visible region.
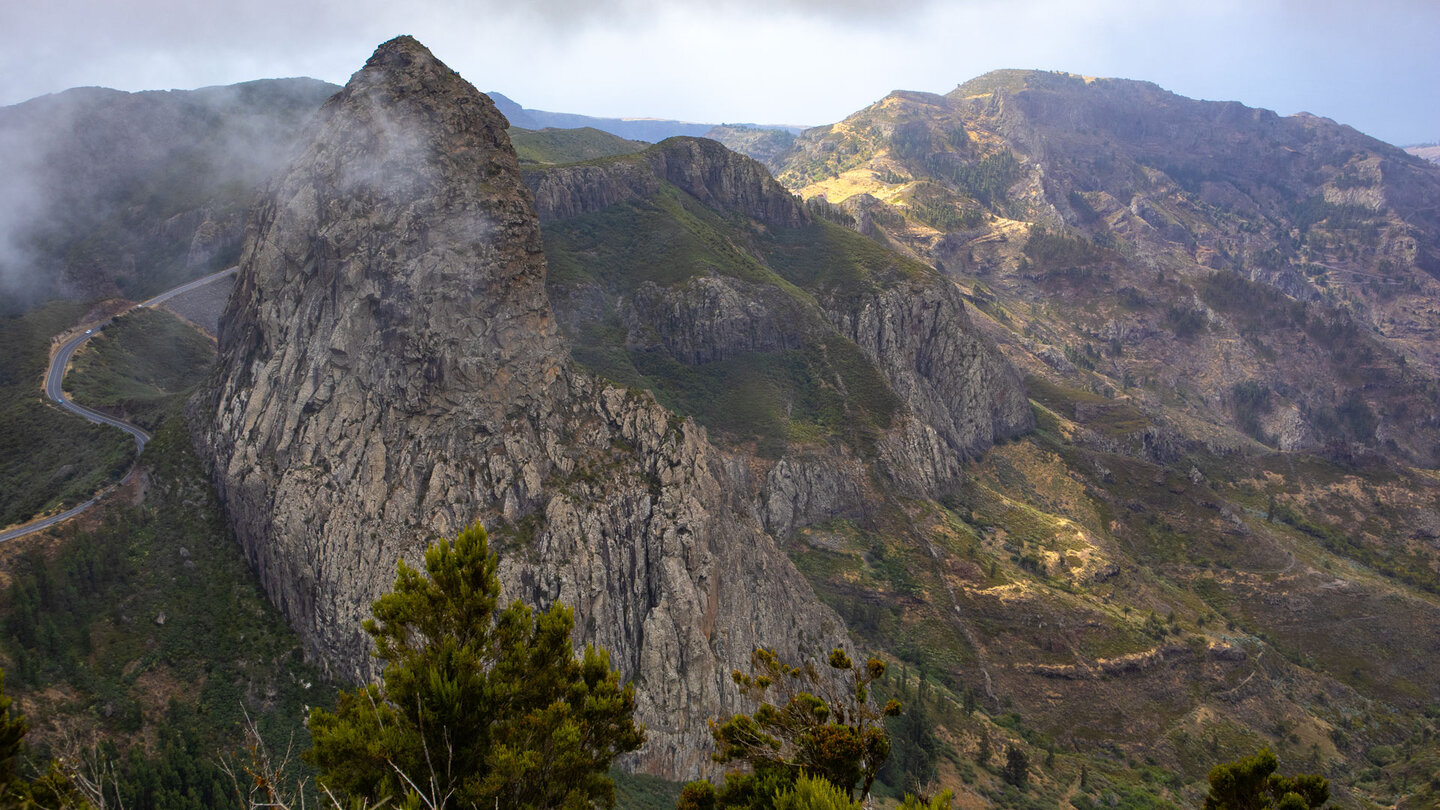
(769, 398)
(556, 146)
(833, 261)
(664, 239)
(141, 366)
(1109, 417)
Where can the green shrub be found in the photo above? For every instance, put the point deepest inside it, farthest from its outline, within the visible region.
(814, 794)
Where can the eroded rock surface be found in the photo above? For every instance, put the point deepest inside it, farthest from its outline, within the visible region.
(391, 371)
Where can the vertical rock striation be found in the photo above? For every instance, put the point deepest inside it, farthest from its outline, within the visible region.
(961, 394)
(391, 371)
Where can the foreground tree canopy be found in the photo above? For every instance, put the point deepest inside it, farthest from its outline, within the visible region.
(1253, 784)
(819, 728)
(479, 707)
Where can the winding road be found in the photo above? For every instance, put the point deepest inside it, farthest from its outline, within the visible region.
(55, 390)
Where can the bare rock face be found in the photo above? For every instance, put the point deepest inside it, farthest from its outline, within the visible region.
(569, 191)
(952, 380)
(391, 371)
(702, 168)
(710, 318)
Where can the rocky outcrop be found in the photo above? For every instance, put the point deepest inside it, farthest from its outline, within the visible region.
(726, 181)
(704, 169)
(809, 485)
(391, 371)
(952, 380)
(569, 191)
(711, 318)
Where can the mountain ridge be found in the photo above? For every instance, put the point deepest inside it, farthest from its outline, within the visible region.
(636, 128)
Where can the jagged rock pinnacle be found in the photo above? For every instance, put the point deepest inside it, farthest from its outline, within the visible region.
(409, 156)
(390, 372)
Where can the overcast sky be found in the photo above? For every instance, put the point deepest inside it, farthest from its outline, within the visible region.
(1374, 65)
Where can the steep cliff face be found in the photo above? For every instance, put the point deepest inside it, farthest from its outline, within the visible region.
(711, 318)
(950, 377)
(391, 371)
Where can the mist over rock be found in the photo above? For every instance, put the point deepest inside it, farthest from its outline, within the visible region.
(391, 371)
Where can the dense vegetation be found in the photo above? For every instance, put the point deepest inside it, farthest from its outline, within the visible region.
(48, 458)
(151, 627)
(143, 640)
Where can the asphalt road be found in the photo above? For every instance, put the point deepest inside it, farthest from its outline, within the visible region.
(55, 390)
(55, 382)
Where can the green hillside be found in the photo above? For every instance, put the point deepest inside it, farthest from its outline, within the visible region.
(555, 146)
(48, 458)
(773, 397)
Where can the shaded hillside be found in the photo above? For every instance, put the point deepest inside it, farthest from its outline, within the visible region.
(128, 194)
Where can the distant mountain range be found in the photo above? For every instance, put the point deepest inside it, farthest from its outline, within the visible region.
(1429, 151)
(636, 129)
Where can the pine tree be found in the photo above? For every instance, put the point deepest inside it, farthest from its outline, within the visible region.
(478, 706)
(806, 724)
(1253, 784)
(1017, 767)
